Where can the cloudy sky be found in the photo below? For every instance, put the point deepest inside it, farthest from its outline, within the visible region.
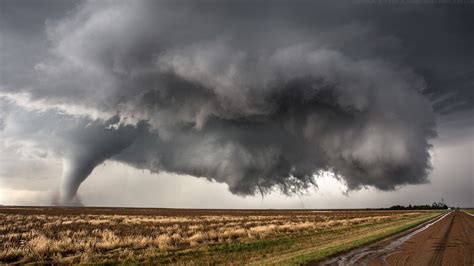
(236, 104)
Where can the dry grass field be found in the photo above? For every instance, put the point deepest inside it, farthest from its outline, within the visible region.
(173, 236)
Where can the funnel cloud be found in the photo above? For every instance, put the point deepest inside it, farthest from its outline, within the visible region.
(256, 100)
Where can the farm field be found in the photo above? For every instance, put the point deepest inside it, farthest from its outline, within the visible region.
(181, 236)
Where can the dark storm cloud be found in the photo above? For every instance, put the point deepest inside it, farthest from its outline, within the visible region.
(255, 95)
(23, 41)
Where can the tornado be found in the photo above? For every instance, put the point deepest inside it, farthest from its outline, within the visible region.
(192, 89)
(89, 146)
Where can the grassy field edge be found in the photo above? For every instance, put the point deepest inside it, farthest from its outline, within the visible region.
(310, 256)
(469, 211)
(327, 253)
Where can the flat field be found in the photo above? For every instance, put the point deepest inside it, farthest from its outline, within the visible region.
(471, 211)
(183, 236)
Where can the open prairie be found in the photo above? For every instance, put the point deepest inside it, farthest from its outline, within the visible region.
(181, 236)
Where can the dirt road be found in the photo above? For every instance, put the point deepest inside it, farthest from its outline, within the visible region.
(446, 241)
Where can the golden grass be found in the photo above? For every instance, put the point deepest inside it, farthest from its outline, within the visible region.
(89, 238)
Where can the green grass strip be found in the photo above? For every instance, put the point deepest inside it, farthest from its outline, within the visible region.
(325, 253)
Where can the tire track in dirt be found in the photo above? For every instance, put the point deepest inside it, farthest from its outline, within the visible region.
(448, 241)
(437, 259)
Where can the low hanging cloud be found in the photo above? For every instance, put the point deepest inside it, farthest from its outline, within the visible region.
(180, 88)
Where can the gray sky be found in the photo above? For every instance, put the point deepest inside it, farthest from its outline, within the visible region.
(127, 103)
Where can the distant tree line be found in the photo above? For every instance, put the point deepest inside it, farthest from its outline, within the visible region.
(434, 206)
